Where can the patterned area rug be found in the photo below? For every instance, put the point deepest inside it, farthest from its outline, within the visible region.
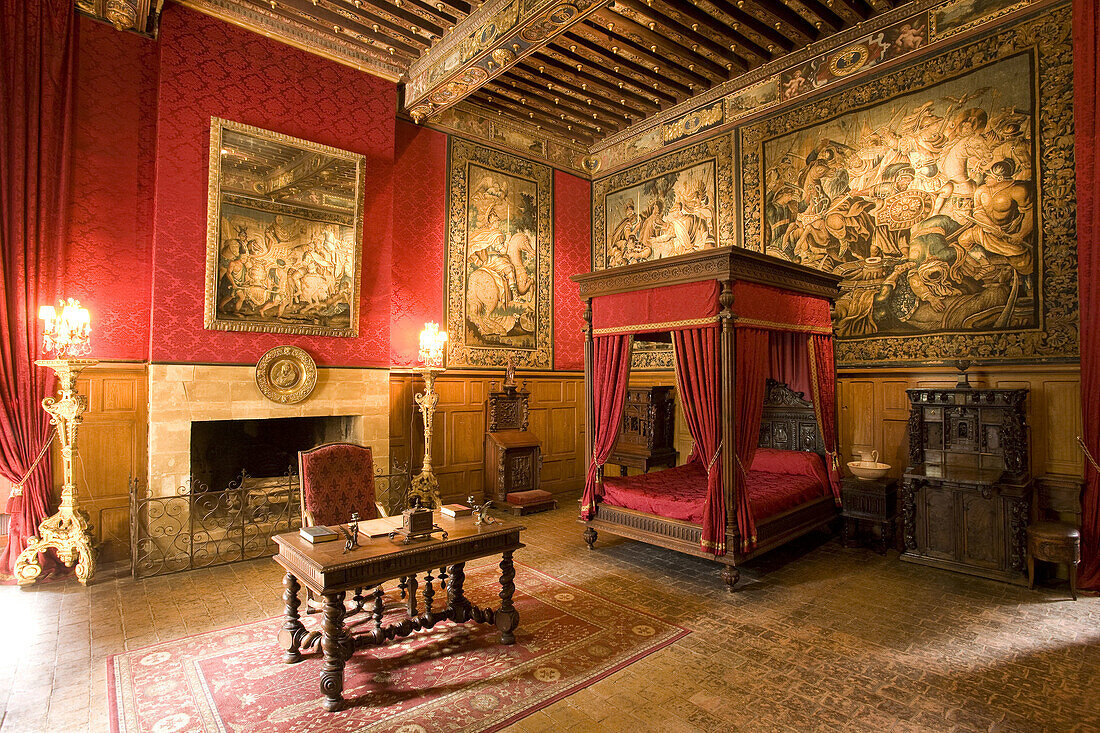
(449, 678)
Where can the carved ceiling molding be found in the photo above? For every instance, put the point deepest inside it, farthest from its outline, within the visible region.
(488, 42)
(139, 16)
(345, 46)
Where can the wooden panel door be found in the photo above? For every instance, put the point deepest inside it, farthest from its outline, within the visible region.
(936, 522)
(981, 531)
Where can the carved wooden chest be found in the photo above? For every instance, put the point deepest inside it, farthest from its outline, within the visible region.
(647, 431)
(966, 494)
(513, 455)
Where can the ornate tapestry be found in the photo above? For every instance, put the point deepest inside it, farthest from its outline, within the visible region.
(284, 232)
(499, 259)
(664, 207)
(923, 189)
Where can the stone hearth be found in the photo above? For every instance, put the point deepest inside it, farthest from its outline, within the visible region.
(182, 394)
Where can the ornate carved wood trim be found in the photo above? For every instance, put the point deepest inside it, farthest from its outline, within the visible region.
(721, 263)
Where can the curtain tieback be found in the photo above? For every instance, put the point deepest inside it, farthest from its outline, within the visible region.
(741, 466)
(17, 487)
(714, 458)
(1088, 455)
(834, 456)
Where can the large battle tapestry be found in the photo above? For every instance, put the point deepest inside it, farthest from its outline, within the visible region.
(499, 259)
(923, 190)
(284, 228)
(665, 207)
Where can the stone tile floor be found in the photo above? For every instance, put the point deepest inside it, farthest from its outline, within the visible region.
(818, 638)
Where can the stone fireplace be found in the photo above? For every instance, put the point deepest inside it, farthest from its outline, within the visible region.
(182, 395)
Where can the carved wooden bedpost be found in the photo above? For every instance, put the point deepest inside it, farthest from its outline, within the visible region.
(589, 405)
(726, 354)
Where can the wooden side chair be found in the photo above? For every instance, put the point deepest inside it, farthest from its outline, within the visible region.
(337, 480)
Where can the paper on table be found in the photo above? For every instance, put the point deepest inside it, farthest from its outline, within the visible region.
(380, 527)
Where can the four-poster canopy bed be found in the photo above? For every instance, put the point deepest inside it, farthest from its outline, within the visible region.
(763, 469)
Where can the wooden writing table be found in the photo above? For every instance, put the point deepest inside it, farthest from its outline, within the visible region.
(329, 571)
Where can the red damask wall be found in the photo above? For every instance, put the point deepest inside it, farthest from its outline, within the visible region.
(572, 242)
(210, 68)
(419, 220)
(112, 190)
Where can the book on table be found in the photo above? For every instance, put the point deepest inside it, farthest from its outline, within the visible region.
(318, 534)
(456, 510)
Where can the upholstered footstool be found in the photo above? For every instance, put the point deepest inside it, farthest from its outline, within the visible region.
(529, 502)
(1054, 542)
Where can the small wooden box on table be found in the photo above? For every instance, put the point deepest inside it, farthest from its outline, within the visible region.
(874, 502)
(330, 571)
(646, 434)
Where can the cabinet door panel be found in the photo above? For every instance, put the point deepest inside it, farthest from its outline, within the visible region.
(981, 536)
(939, 522)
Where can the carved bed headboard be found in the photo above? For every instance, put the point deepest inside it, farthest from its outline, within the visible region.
(789, 421)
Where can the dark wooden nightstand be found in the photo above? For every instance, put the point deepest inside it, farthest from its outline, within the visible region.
(873, 502)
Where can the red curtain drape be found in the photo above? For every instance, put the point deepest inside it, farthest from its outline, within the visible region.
(787, 361)
(1086, 89)
(37, 67)
(697, 380)
(610, 372)
(750, 375)
(823, 385)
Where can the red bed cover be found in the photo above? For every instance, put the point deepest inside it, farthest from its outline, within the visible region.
(779, 480)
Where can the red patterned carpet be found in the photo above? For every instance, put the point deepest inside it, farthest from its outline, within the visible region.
(449, 678)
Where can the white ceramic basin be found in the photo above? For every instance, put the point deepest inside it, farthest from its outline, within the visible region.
(868, 470)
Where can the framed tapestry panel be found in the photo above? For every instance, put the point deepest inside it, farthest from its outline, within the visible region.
(664, 207)
(924, 190)
(499, 259)
(284, 233)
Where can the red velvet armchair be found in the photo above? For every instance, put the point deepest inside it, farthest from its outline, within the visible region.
(337, 480)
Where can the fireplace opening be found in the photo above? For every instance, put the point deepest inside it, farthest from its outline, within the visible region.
(268, 448)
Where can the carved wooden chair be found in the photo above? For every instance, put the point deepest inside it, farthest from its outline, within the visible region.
(337, 480)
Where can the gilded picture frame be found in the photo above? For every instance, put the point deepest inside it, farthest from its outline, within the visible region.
(284, 233)
(499, 280)
(978, 265)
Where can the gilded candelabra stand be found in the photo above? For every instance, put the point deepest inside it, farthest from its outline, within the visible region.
(67, 531)
(425, 486)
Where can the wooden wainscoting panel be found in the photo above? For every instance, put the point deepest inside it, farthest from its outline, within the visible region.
(458, 445)
(111, 448)
(873, 403)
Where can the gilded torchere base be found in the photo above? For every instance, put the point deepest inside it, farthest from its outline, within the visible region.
(425, 487)
(67, 533)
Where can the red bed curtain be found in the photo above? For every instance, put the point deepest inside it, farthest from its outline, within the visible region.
(1086, 89)
(823, 384)
(37, 67)
(750, 376)
(697, 380)
(610, 372)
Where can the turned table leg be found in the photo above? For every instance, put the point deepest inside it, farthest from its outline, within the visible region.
(458, 607)
(290, 636)
(730, 575)
(507, 618)
(589, 537)
(332, 674)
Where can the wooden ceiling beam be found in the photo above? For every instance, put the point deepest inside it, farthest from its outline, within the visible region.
(460, 6)
(566, 102)
(580, 133)
(608, 53)
(825, 15)
(784, 15)
(608, 88)
(581, 96)
(619, 25)
(306, 9)
(405, 15)
(859, 8)
(716, 26)
(644, 86)
(693, 36)
(769, 33)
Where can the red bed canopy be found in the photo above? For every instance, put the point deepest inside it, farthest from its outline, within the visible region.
(720, 306)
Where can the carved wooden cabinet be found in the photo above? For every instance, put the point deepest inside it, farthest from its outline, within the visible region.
(647, 431)
(513, 455)
(966, 495)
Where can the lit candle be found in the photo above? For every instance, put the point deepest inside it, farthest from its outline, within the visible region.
(66, 333)
(432, 344)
